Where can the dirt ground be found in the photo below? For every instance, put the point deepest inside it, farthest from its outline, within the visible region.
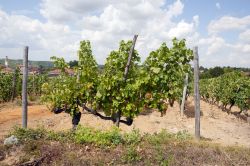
(216, 125)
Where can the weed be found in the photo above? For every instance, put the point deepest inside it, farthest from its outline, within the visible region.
(159, 138)
(131, 155)
(183, 135)
(28, 134)
(161, 158)
(89, 135)
(133, 137)
(130, 148)
(32, 98)
(32, 147)
(60, 136)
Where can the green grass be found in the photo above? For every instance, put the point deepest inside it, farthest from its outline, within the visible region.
(89, 146)
(98, 137)
(81, 135)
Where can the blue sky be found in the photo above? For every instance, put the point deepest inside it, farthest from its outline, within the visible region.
(220, 28)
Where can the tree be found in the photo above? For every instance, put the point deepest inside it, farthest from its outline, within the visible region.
(87, 73)
(123, 88)
(66, 93)
(116, 96)
(166, 68)
(216, 71)
(231, 88)
(73, 63)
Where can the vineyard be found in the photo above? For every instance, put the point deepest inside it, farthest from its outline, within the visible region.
(11, 85)
(228, 90)
(128, 92)
(124, 88)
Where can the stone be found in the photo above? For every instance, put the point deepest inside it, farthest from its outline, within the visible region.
(11, 140)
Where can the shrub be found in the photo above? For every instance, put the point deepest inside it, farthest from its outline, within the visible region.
(89, 135)
(133, 137)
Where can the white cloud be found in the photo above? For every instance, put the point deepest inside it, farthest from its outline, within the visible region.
(65, 10)
(146, 18)
(175, 9)
(245, 36)
(213, 44)
(226, 23)
(225, 56)
(219, 51)
(218, 5)
(46, 38)
(105, 23)
(182, 29)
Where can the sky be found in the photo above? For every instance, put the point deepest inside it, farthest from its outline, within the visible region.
(220, 28)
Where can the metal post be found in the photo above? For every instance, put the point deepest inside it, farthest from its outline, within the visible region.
(196, 93)
(184, 94)
(24, 87)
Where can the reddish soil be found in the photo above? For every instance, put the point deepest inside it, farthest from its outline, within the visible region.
(216, 125)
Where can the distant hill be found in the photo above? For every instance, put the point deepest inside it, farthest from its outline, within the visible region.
(43, 64)
(13, 63)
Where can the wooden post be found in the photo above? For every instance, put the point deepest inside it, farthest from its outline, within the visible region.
(118, 114)
(14, 86)
(129, 58)
(196, 93)
(184, 94)
(24, 87)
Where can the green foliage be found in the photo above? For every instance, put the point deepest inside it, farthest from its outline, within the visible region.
(131, 155)
(218, 71)
(88, 135)
(166, 68)
(28, 134)
(113, 93)
(159, 138)
(81, 135)
(183, 135)
(133, 138)
(213, 72)
(5, 87)
(161, 157)
(62, 149)
(60, 63)
(63, 136)
(68, 91)
(61, 92)
(164, 136)
(87, 72)
(230, 88)
(73, 63)
(34, 86)
(35, 83)
(161, 76)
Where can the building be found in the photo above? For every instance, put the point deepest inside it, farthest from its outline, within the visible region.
(6, 62)
(57, 72)
(6, 69)
(31, 70)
